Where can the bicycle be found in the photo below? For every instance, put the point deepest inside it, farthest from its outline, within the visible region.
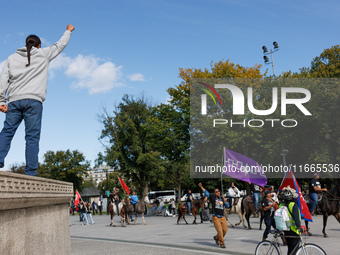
(273, 247)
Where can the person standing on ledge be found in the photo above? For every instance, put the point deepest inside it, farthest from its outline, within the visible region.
(24, 81)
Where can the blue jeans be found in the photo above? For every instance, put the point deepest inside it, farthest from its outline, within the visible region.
(30, 111)
(256, 197)
(314, 197)
(189, 205)
(269, 222)
(89, 218)
(85, 221)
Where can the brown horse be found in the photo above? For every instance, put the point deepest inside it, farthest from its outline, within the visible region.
(329, 205)
(196, 205)
(122, 211)
(248, 208)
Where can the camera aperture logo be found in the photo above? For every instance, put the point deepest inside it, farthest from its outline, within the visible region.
(238, 105)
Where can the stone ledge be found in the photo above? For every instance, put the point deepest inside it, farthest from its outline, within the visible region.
(23, 191)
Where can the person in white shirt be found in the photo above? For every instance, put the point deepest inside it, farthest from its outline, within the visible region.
(234, 192)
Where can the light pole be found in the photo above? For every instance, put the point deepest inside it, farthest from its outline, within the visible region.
(107, 188)
(265, 52)
(284, 153)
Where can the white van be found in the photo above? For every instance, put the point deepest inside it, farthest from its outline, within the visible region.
(166, 195)
(195, 196)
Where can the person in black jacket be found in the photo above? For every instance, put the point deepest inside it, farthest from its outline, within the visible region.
(188, 202)
(218, 202)
(83, 210)
(268, 208)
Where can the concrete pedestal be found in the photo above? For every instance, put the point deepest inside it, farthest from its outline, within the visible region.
(34, 216)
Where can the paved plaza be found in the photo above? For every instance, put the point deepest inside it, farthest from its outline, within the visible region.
(162, 235)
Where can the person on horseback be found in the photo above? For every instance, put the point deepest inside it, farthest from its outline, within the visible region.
(314, 189)
(134, 201)
(288, 199)
(255, 189)
(189, 200)
(234, 193)
(268, 207)
(218, 202)
(115, 197)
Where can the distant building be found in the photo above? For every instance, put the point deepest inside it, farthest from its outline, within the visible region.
(99, 174)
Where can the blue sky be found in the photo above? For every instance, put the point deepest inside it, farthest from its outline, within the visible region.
(136, 46)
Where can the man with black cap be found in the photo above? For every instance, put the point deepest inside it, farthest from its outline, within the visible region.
(314, 189)
(268, 208)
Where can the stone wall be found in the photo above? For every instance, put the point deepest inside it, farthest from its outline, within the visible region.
(34, 215)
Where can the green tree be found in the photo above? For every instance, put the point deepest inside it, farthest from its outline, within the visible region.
(180, 103)
(327, 65)
(88, 184)
(69, 166)
(18, 168)
(324, 147)
(125, 135)
(168, 133)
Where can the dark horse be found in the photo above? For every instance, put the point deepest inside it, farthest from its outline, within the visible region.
(329, 205)
(195, 206)
(248, 208)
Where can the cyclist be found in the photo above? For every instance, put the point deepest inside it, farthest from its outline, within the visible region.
(288, 199)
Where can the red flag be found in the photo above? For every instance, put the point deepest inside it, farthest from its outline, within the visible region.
(289, 180)
(76, 202)
(124, 186)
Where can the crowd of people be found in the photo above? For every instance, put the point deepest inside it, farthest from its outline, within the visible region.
(265, 199)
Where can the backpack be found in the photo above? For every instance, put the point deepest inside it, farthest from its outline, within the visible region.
(281, 217)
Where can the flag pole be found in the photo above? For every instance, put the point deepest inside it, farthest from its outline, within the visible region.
(223, 162)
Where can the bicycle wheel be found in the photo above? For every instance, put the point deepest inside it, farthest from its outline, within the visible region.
(311, 249)
(266, 248)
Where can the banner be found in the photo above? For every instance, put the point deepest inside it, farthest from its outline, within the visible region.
(243, 168)
(78, 197)
(124, 186)
(289, 180)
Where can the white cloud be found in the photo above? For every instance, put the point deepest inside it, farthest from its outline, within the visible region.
(91, 74)
(136, 77)
(2, 65)
(60, 62)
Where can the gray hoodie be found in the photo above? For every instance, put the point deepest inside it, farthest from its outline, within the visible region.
(19, 81)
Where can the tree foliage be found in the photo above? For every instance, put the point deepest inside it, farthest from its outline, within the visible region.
(18, 168)
(69, 166)
(125, 134)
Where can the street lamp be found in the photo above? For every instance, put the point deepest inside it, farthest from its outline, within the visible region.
(107, 188)
(284, 153)
(265, 52)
